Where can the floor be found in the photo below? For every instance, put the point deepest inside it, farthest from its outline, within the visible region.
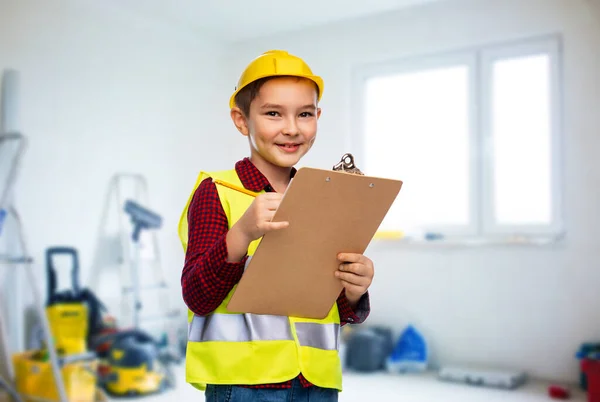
(382, 387)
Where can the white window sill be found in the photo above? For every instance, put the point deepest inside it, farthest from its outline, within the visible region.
(472, 242)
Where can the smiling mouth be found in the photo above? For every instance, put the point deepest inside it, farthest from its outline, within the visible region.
(289, 147)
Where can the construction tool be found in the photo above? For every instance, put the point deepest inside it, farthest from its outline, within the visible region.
(66, 310)
(127, 252)
(141, 219)
(136, 364)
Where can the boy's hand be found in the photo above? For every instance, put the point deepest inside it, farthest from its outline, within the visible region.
(356, 273)
(256, 221)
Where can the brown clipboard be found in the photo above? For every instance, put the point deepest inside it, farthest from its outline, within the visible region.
(292, 272)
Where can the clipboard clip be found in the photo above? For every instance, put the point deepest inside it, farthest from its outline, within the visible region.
(346, 164)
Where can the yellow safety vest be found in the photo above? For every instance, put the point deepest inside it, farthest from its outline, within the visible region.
(249, 349)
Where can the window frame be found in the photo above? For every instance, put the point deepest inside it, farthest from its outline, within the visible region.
(479, 61)
(488, 56)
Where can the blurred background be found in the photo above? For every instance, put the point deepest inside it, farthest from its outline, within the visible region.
(488, 110)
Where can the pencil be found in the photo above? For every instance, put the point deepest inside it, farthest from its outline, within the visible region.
(236, 188)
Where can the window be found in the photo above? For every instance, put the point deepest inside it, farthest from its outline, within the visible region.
(473, 135)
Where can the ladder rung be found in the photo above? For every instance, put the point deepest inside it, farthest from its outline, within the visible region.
(76, 358)
(148, 287)
(9, 259)
(156, 317)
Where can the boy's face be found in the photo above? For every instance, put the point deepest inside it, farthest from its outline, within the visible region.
(282, 123)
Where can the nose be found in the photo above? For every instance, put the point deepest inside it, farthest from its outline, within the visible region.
(291, 127)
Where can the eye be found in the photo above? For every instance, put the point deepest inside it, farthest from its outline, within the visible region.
(272, 113)
(306, 114)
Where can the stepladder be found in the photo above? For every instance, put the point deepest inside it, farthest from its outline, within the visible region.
(26, 373)
(15, 261)
(127, 273)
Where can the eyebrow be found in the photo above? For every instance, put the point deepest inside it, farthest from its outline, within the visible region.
(275, 106)
(270, 106)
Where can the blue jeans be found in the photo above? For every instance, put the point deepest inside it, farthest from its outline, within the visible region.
(297, 393)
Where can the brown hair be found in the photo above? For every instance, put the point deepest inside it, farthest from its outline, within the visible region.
(244, 98)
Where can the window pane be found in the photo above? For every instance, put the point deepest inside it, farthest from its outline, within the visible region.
(417, 130)
(522, 140)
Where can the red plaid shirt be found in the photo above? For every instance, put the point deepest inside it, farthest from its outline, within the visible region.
(207, 277)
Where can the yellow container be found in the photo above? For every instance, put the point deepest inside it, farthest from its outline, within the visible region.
(34, 379)
(69, 327)
(134, 381)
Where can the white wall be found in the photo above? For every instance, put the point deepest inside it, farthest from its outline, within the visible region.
(595, 5)
(529, 307)
(103, 91)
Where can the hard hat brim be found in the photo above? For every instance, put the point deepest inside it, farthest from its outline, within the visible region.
(314, 78)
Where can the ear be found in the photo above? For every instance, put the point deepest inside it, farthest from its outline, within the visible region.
(239, 120)
(318, 113)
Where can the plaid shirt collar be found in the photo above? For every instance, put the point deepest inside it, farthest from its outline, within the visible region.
(252, 178)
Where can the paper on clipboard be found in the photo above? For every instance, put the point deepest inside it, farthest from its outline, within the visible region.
(292, 271)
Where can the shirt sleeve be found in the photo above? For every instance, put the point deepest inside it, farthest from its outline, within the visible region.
(207, 277)
(353, 316)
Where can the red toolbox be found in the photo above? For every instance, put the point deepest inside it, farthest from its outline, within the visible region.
(592, 369)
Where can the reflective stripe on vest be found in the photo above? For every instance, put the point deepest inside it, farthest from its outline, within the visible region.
(320, 336)
(253, 327)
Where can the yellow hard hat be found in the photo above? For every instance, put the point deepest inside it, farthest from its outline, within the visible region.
(275, 63)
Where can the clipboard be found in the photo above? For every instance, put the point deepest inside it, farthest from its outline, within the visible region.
(292, 272)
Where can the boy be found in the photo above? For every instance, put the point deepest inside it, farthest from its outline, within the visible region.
(248, 357)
